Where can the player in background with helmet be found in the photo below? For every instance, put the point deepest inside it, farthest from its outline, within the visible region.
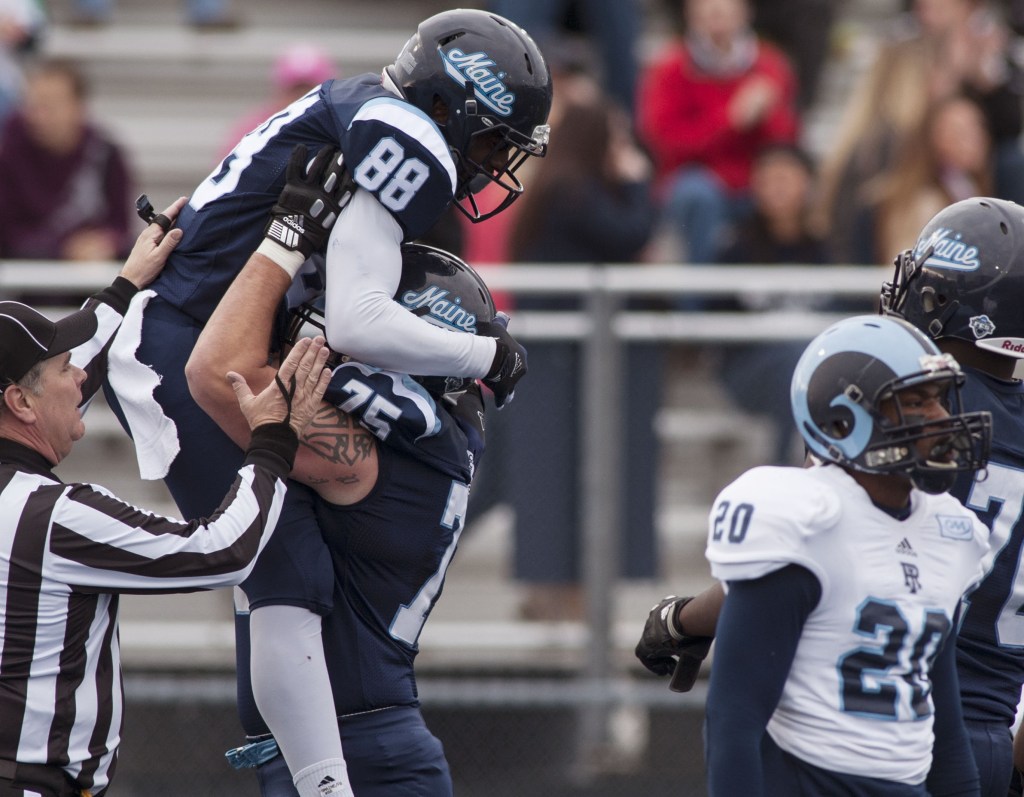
(834, 668)
(462, 107)
(959, 284)
(394, 457)
(963, 285)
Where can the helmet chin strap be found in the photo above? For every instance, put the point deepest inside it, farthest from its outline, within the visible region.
(933, 482)
(936, 473)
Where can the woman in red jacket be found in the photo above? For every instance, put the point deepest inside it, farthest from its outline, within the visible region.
(716, 97)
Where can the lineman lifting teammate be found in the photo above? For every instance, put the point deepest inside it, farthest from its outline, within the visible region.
(463, 106)
(397, 457)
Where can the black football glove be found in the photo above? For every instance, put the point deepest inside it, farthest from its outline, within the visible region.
(467, 408)
(664, 649)
(315, 192)
(509, 364)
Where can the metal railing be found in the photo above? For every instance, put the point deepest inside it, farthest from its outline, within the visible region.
(602, 328)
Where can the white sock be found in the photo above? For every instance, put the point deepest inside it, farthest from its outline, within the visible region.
(324, 779)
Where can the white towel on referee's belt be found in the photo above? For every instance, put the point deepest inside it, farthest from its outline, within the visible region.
(155, 435)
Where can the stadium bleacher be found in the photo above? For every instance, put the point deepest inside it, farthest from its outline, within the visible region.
(171, 94)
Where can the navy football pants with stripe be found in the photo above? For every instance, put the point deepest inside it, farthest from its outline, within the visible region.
(389, 753)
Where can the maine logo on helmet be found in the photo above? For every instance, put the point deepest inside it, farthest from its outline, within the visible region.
(964, 277)
(437, 305)
(981, 326)
(475, 68)
(496, 87)
(436, 285)
(944, 248)
(445, 291)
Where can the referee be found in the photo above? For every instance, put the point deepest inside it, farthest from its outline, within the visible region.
(68, 550)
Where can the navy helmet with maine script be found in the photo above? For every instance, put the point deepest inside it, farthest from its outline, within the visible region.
(965, 276)
(435, 285)
(494, 81)
(844, 379)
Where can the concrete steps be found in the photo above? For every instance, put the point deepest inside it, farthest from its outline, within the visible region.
(171, 94)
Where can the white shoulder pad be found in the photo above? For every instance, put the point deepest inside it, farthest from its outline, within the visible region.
(763, 520)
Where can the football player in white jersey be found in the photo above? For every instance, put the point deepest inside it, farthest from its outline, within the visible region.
(834, 668)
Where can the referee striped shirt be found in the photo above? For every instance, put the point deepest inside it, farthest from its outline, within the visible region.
(66, 552)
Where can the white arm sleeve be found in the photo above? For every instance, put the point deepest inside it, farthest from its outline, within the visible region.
(364, 266)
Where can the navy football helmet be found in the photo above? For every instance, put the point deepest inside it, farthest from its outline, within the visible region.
(494, 81)
(435, 285)
(965, 276)
(853, 367)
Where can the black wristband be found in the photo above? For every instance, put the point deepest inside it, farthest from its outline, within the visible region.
(118, 294)
(273, 445)
(500, 352)
(675, 628)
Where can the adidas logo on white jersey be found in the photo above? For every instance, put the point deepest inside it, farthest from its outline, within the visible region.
(905, 548)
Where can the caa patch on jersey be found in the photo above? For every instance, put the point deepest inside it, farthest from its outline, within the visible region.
(955, 527)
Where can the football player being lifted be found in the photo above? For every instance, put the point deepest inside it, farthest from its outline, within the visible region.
(463, 106)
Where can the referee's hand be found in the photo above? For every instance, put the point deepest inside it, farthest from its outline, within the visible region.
(152, 248)
(295, 395)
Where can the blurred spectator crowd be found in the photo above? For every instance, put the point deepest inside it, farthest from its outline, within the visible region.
(696, 154)
(719, 115)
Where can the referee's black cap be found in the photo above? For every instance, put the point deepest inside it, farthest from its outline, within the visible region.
(28, 337)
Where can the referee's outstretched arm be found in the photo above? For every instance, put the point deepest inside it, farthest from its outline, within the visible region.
(68, 550)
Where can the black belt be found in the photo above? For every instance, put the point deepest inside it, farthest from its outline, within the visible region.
(48, 780)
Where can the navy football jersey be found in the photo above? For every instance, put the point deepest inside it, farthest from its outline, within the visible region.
(391, 149)
(990, 644)
(392, 549)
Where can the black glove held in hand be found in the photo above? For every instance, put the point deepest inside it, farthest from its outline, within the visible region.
(467, 408)
(307, 208)
(663, 643)
(509, 364)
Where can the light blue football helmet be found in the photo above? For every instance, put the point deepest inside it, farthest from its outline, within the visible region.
(845, 375)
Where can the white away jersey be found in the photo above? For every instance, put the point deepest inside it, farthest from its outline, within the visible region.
(858, 695)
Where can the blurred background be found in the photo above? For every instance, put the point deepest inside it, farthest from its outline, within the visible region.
(664, 278)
